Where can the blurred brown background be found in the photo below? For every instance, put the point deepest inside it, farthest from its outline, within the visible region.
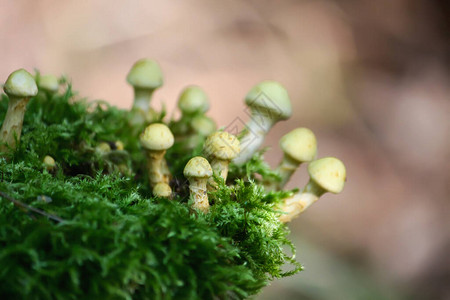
(370, 78)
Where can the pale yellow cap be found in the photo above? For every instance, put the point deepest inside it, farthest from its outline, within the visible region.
(162, 190)
(198, 167)
(222, 145)
(193, 99)
(329, 173)
(48, 83)
(300, 144)
(20, 83)
(270, 96)
(145, 74)
(157, 136)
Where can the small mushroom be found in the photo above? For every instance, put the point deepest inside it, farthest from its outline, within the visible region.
(49, 163)
(48, 83)
(221, 147)
(269, 103)
(156, 139)
(145, 76)
(119, 145)
(326, 175)
(103, 148)
(193, 100)
(19, 87)
(162, 189)
(202, 126)
(198, 171)
(299, 146)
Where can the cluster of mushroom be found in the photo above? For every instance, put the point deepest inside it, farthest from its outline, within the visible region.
(268, 102)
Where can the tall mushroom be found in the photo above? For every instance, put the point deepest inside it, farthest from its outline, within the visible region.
(19, 87)
(269, 103)
(145, 76)
(326, 175)
(298, 146)
(198, 171)
(221, 147)
(156, 139)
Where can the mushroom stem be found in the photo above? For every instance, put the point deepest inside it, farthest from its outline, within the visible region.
(220, 167)
(155, 163)
(198, 188)
(12, 125)
(285, 169)
(255, 132)
(142, 98)
(296, 204)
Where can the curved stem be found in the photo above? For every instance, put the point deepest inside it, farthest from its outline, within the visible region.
(12, 125)
(295, 205)
(255, 132)
(285, 169)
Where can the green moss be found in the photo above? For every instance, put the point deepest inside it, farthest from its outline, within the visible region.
(115, 240)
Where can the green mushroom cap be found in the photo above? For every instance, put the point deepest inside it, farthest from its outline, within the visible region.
(20, 83)
(329, 173)
(193, 99)
(271, 97)
(145, 74)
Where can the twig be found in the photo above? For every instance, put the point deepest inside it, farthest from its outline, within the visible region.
(30, 208)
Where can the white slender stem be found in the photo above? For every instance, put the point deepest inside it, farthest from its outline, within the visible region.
(142, 98)
(256, 130)
(12, 125)
(198, 190)
(219, 167)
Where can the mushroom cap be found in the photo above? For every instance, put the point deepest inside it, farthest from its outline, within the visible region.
(193, 99)
(329, 173)
(222, 145)
(203, 125)
(300, 144)
(198, 167)
(48, 83)
(156, 136)
(145, 74)
(20, 83)
(48, 161)
(272, 97)
(162, 189)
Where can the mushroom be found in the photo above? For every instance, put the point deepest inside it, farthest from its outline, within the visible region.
(269, 103)
(193, 100)
(156, 139)
(145, 76)
(162, 189)
(299, 146)
(221, 147)
(49, 163)
(198, 171)
(103, 148)
(19, 87)
(202, 126)
(48, 83)
(326, 175)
